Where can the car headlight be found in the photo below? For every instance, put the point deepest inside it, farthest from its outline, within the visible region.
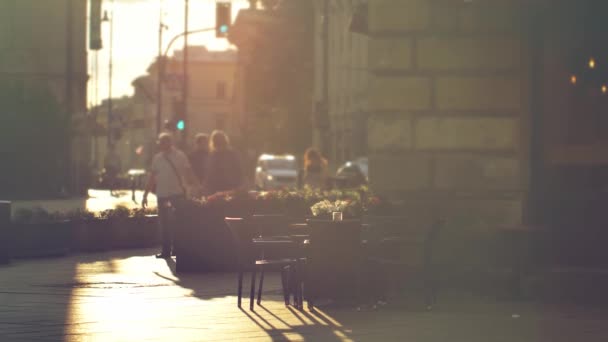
(269, 177)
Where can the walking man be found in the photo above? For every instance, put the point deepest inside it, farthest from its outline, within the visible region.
(170, 173)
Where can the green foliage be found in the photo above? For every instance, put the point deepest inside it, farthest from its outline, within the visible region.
(120, 213)
(40, 215)
(37, 215)
(80, 215)
(141, 212)
(290, 202)
(33, 136)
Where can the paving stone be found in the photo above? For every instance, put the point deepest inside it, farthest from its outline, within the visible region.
(128, 303)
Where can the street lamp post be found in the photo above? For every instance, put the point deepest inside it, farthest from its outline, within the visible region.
(110, 20)
(185, 69)
(159, 72)
(325, 131)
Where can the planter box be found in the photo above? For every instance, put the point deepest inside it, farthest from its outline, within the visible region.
(40, 239)
(135, 232)
(105, 234)
(203, 243)
(91, 235)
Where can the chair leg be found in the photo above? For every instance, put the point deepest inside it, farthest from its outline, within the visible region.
(261, 285)
(299, 293)
(252, 293)
(240, 288)
(285, 284)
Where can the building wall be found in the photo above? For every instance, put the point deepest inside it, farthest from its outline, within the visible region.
(448, 103)
(38, 48)
(206, 109)
(348, 81)
(33, 45)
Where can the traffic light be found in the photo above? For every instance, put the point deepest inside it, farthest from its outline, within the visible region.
(223, 18)
(178, 121)
(180, 125)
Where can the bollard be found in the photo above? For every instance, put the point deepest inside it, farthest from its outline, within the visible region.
(5, 225)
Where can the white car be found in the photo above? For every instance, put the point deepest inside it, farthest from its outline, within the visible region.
(276, 172)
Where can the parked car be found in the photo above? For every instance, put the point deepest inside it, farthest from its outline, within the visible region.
(353, 173)
(276, 172)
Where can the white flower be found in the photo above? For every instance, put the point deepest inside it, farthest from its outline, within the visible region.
(323, 207)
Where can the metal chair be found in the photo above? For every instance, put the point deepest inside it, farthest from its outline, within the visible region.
(273, 241)
(248, 247)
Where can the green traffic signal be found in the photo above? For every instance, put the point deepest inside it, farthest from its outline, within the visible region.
(180, 125)
(223, 18)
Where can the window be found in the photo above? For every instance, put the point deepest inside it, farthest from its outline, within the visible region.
(220, 90)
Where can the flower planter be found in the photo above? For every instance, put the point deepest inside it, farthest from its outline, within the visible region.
(92, 235)
(40, 239)
(146, 231)
(134, 232)
(203, 242)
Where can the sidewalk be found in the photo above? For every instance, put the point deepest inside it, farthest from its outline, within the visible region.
(131, 296)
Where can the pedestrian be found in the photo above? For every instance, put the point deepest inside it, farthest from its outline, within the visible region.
(112, 167)
(315, 174)
(170, 175)
(224, 172)
(198, 157)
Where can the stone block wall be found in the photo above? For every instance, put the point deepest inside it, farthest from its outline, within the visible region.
(448, 104)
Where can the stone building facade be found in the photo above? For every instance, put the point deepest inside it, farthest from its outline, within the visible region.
(486, 112)
(348, 81)
(448, 106)
(213, 90)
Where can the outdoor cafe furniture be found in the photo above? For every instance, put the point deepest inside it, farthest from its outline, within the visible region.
(203, 243)
(274, 240)
(397, 248)
(334, 261)
(248, 245)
